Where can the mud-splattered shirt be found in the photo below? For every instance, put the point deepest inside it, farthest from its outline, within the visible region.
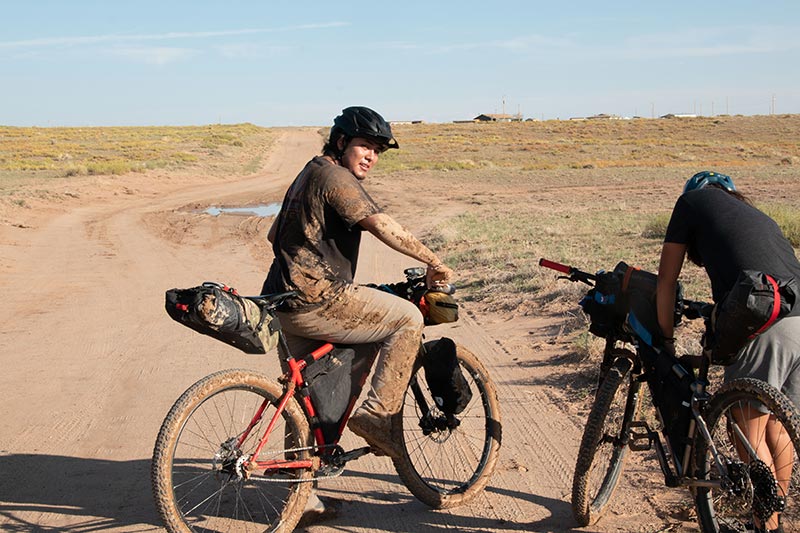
(317, 234)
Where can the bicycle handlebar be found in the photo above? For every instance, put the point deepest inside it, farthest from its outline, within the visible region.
(572, 273)
(689, 309)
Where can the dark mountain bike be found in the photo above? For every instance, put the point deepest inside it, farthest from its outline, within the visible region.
(239, 451)
(739, 472)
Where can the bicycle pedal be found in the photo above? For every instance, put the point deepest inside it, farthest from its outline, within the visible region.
(640, 441)
(329, 471)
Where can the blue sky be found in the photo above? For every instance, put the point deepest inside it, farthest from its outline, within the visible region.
(82, 63)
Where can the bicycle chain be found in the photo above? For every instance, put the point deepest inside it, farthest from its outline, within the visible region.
(335, 471)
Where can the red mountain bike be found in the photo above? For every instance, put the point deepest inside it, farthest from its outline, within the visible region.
(239, 451)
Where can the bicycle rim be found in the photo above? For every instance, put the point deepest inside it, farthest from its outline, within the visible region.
(448, 467)
(604, 445)
(199, 481)
(749, 487)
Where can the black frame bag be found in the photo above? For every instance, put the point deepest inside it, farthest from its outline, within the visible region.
(756, 301)
(448, 386)
(332, 382)
(218, 311)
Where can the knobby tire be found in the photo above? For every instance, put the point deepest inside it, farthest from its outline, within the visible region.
(194, 481)
(450, 467)
(731, 508)
(604, 445)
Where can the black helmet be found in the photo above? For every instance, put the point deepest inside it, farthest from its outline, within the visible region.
(706, 177)
(360, 121)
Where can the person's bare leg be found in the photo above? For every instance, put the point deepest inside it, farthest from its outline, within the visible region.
(782, 452)
(772, 445)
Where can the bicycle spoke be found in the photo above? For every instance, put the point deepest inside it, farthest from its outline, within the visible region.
(202, 479)
(447, 463)
(752, 427)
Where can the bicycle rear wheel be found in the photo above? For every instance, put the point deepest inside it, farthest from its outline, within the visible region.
(199, 478)
(745, 485)
(445, 466)
(604, 445)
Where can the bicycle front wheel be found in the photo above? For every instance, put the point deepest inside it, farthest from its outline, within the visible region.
(446, 464)
(751, 461)
(604, 445)
(200, 473)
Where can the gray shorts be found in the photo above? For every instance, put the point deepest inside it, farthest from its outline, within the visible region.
(774, 357)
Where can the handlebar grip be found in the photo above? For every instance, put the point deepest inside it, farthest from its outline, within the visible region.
(555, 266)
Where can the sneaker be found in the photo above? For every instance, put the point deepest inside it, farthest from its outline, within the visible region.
(376, 430)
(319, 509)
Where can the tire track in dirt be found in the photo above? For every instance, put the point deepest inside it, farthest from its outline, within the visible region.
(90, 360)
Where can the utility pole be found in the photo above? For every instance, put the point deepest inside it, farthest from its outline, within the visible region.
(772, 107)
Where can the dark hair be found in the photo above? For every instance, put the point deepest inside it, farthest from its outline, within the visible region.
(331, 147)
(691, 247)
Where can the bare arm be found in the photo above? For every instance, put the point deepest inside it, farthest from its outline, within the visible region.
(669, 269)
(396, 237)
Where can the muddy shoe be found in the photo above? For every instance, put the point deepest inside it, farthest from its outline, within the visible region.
(319, 509)
(376, 430)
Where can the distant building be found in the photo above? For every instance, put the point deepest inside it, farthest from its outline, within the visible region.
(498, 118)
(678, 115)
(601, 116)
(604, 116)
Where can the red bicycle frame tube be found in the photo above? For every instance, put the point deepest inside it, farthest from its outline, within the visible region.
(295, 380)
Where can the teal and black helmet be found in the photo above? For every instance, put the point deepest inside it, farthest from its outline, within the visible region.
(706, 177)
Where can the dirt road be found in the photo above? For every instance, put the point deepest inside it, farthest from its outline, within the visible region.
(91, 363)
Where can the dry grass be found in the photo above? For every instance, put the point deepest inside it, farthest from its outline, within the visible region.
(491, 198)
(30, 153)
(586, 193)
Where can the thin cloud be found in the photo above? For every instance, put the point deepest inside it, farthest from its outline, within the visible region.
(712, 42)
(153, 55)
(122, 38)
(705, 42)
(520, 44)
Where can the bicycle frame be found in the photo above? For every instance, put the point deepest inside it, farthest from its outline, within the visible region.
(293, 381)
(676, 474)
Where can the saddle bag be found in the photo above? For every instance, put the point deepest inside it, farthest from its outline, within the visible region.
(218, 311)
(448, 386)
(756, 301)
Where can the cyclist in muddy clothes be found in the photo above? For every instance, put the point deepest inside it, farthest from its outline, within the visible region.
(316, 238)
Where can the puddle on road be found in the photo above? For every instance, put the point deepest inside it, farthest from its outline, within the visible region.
(268, 210)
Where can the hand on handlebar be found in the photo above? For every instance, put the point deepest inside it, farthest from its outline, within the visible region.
(437, 274)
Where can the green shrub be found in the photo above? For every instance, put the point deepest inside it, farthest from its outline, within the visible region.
(656, 227)
(788, 219)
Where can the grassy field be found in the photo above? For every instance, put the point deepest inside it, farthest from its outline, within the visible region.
(586, 193)
(30, 157)
(491, 198)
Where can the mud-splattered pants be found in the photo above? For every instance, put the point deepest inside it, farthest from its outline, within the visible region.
(378, 322)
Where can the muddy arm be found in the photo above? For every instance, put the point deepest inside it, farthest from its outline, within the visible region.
(395, 236)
